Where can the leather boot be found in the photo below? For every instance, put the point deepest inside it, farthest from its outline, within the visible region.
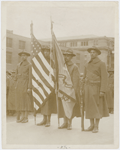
(69, 124)
(65, 124)
(43, 121)
(25, 120)
(95, 130)
(91, 127)
(23, 116)
(18, 117)
(48, 121)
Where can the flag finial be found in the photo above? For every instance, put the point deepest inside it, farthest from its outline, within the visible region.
(31, 28)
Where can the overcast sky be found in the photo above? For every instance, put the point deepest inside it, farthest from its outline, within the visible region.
(68, 20)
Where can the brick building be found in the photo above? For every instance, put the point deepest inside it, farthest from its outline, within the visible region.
(16, 43)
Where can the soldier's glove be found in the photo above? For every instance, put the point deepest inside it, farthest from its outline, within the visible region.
(102, 94)
(29, 91)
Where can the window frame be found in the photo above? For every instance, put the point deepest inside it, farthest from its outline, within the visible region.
(8, 60)
(9, 42)
(21, 45)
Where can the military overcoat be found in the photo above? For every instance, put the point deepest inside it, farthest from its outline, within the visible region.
(24, 82)
(12, 94)
(110, 92)
(95, 76)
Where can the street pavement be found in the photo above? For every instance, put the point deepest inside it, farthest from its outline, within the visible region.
(30, 134)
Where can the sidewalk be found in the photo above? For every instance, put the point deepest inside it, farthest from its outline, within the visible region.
(29, 133)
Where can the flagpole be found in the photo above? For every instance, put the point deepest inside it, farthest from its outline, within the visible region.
(56, 82)
(31, 32)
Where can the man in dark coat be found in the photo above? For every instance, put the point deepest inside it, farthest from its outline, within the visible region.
(74, 74)
(95, 76)
(50, 105)
(11, 94)
(23, 88)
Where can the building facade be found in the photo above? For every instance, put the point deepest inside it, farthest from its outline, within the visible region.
(80, 45)
(16, 43)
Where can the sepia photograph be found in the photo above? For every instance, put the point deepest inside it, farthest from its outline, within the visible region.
(60, 74)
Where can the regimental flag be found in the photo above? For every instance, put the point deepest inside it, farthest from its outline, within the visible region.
(65, 87)
(42, 75)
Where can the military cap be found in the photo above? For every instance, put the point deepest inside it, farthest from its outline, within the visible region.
(24, 52)
(69, 52)
(94, 48)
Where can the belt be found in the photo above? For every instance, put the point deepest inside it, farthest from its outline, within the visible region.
(91, 82)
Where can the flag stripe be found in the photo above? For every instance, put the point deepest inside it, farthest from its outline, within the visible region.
(42, 72)
(38, 93)
(37, 97)
(36, 103)
(41, 76)
(46, 63)
(40, 85)
(35, 75)
(38, 88)
(43, 65)
(36, 106)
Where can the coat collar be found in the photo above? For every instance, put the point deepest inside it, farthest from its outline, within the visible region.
(24, 63)
(69, 63)
(95, 60)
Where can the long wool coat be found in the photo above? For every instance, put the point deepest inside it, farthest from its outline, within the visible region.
(95, 76)
(12, 94)
(23, 99)
(74, 73)
(110, 92)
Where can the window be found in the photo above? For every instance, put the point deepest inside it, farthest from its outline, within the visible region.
(9, 57)
(81, 43)
(84, 43)
(9, 42)
(21, 44)
(96, 42)
(62, 44)
(73, 44)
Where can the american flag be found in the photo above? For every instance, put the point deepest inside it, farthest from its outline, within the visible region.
(42, 75)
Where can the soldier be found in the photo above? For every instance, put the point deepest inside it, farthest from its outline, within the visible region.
(23, 87)
(95, 76)
(50, 105)
(74, 73)
(11, 94)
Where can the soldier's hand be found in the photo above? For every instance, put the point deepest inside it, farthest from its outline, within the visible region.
(28, 90)
(101, 94)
